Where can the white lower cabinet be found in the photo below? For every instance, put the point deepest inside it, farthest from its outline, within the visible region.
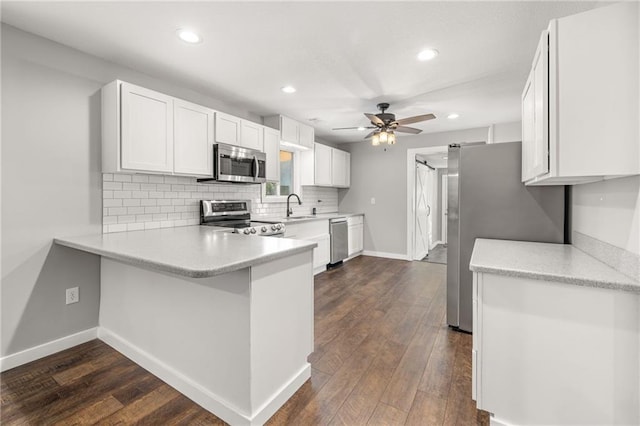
(546, 352)
(318, 232)
(355, 234)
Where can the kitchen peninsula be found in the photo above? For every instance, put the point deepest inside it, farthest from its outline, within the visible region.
(225, 319)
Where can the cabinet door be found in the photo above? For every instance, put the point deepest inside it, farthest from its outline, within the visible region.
(321, 254)
(359, 235)
(251, 135)
(289, 130)
(306, 135)
(228, 128)
(347, 168)
(147, 130)
(272, 149)
(193, 139)
(322, 165)
(535, 117)
(339, 168)
(355, 244)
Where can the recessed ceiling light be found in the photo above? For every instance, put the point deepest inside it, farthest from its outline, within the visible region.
(288, 89)
(445, 158)
(452, 116)
(427, 54)
(360, 129)
(189, 36)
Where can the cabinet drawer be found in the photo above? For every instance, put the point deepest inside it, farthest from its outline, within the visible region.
(302, 231)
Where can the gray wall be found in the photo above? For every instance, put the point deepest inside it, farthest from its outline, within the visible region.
(381, 172)
(51, 182)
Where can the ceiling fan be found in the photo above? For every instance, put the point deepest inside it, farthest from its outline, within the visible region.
(385, 125)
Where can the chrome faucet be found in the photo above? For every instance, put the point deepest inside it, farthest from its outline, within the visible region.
(289, 211)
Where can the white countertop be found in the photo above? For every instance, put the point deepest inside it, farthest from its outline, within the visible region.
(192, 251)
(546, 261)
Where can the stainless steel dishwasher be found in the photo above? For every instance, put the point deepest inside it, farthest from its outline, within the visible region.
(339, 232)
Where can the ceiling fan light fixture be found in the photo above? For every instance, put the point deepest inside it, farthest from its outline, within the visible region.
(383, 136)
(188, 36)
(427, 54)
(375, 139)
(391, 139)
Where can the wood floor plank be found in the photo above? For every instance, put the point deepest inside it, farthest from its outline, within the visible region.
(362, 401)
(427, 409)
(386, 415)
(383, 355)
(142, 407)
(93, 413)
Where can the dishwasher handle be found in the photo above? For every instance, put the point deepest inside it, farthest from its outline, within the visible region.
(338, 220)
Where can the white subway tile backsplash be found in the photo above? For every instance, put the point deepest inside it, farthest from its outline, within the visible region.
(131, 186)
(135, 226)
(133, 202)
(110, 202)
(122, 178)
(140, 178)
(112, 185)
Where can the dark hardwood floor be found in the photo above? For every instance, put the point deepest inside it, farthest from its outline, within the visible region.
(383, 356)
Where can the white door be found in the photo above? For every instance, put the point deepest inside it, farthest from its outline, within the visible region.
(421, 213)
(432, 193)
(443, 236)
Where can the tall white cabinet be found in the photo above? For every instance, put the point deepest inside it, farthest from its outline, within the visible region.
(581, 102)
(147, 129)
(193, 139)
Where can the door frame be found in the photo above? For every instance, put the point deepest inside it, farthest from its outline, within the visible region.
(411, 191)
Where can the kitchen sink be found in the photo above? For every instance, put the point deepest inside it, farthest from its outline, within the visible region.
(300, 217)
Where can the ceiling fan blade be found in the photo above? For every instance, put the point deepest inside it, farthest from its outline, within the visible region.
(369, 135)
(355, 128)
(416, 119)
(406, 129)
(374, 119)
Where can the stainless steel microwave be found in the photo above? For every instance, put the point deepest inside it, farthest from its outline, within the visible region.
(237, 164)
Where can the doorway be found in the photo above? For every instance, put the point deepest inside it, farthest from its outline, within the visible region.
(425, 170)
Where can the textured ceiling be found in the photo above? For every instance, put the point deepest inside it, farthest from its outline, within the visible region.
(343, 57)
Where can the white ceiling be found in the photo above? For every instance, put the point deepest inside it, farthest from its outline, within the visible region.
(343, 57)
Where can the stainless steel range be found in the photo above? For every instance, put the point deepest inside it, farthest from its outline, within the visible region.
(235, 215)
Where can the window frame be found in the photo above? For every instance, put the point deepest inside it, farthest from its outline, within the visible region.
(296, 179)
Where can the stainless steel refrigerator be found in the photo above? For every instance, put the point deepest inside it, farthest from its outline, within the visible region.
(486, 199)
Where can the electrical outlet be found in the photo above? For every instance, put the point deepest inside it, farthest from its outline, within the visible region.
(373, 200)
(73, 295)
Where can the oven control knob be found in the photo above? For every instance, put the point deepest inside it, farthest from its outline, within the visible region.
(273, 227)
(253, 230)
(246, 231)
(279, 227)
(264, 229)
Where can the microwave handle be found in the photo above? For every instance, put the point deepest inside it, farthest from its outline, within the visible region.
(256, 167)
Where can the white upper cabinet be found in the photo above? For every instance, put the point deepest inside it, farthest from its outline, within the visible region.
(193, 141)
(340, 168)
(306, 135)
(322, 166)
(292, 132)
(272, 150)
(326, 166)
(251, 135)
(236, 131)
(581, 103)
(147, 130)
(228, 128)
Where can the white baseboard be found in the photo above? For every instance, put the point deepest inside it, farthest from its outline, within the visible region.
(399, 256)
(434, 244)
(14, 360)
(197, 393)
(497, 422)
